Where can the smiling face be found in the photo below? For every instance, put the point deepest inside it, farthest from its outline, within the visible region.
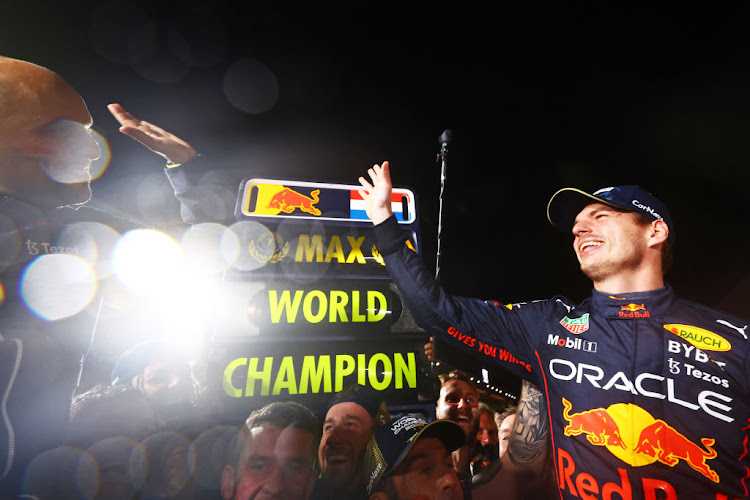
(347, 429)
(487, 433)
(276, 463)
(458, 401)
(45, 145)
(609, 241)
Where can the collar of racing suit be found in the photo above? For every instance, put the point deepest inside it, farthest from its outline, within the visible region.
(634, 305)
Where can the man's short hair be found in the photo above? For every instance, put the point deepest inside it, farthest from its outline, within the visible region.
(367, 398)
(282, 415)
(456, 375)
(506, 413)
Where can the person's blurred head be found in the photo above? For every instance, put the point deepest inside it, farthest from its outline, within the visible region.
(353, 414)
(274, 456)
(505, 421)
(458, 401)
(45, 145)
(410, 459)
(487, 429)
(158, 369)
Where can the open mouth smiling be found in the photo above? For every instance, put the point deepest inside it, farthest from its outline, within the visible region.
(589, 246)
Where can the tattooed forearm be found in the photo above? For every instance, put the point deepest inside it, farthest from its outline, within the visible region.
(530, 438)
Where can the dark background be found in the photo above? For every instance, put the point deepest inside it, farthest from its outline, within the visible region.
(539, 97)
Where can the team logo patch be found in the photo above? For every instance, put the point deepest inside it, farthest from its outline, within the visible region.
(634, 436)
(700, 338)
(576, 326)
(634, 311)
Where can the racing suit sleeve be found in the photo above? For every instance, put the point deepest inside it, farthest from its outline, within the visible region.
(481, 329)
(205, 195)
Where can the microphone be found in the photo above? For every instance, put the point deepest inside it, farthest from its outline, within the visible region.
(445, 137)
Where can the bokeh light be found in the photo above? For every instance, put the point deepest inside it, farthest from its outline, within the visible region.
(251, 86)
(154, 58)
(99, 166)
(56, 286)
(203, 249)
(205, 36)
(257, 245)
(112, 24)
(92, 242)
(152, 203)
(52, 474)
(71, 150)
(148, 261)
(103, 471)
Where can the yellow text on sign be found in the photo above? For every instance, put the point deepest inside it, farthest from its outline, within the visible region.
(317, 305)
(320, 374)
(310, 249)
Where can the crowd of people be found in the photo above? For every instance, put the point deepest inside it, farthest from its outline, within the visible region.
(632, 393)
(146, 435)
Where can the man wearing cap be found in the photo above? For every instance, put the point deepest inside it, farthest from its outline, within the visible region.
(159, 370)
(352, 416)
(410, 459)
(647, 393)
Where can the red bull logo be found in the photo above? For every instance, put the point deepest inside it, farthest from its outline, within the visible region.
(599, 427)
(632, 311)
(288, 200)
(668, 446)
(635, 437)
(633, 307)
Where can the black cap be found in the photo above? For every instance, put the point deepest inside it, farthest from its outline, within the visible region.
(390, 444)
(567, 203)
(137, 358)
(367, 398)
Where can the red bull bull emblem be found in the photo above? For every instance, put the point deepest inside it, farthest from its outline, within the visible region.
(288, 200)
(634, 311)
(635, 437)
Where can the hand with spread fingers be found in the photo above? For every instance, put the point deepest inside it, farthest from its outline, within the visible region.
(377, 195)
(172, 148)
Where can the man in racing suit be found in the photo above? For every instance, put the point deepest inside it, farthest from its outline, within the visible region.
(647, 393)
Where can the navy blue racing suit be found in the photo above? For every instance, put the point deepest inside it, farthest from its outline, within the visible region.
(647, 393)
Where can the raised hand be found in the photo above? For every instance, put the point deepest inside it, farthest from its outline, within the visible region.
(377, 195)
(158, 140)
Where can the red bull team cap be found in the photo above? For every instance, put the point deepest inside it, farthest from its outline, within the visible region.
(567, 203)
